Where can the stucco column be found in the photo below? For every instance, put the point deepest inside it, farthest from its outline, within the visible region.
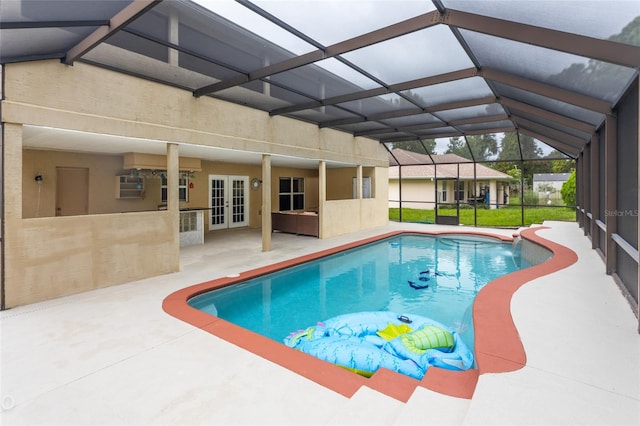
(172, 177)
(12, 234)
(322, 195)
(359, 183)
(12, 176)
(173, 202)
(266, 202)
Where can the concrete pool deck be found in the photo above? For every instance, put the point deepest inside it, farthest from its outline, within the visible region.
(113, 356)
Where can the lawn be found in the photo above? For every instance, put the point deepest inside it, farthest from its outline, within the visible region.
(507, 216)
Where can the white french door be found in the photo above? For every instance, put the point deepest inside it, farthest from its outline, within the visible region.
(228, 201)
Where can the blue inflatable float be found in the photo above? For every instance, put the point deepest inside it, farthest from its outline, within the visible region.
(366, 341)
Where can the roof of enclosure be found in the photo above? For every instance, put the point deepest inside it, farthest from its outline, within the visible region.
(388, 70)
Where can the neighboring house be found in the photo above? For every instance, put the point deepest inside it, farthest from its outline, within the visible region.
(444, 179)
(548, 185)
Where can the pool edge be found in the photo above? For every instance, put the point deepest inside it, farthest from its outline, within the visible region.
(498, 347)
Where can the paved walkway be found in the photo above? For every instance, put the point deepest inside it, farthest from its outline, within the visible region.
(113, 357)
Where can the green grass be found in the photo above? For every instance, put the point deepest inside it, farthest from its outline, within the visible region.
(503, 217)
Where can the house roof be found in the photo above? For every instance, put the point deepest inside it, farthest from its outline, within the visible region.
(549, 70)
(444, 166)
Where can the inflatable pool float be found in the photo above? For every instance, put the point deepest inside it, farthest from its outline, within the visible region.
(363, 342)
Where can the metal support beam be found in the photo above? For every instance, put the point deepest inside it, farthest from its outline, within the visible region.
(566, 138)
(569, 150)
(409, 112)
(611, 190)
(586, 189)
(547, 115)
(418, 127)
(454, 134)
(18, 25)
(121, 19)
(549, 91)
(394, 88)
(590, 47)
(594, 177)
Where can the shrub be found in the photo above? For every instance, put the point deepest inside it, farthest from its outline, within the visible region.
(568, 191)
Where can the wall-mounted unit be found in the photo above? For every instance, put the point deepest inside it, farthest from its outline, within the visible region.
(128, 186)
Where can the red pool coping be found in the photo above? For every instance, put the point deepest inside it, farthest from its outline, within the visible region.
(498, 348)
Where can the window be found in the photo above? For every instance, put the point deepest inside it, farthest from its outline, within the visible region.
(366, 187)
(183, 189)
(443, 196)
(459, 194)
(291, 193)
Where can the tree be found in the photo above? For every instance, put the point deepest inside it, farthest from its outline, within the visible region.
(417, 146)
(483, 146)
(514, 149)
(458, 146)
(568, 190)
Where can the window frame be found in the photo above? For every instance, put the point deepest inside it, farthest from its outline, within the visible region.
(183, 189)
(295, 192)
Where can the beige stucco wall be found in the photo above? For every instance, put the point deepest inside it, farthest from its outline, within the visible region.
(416, 194)
(87, 252)
(359, 213)
(88, 98)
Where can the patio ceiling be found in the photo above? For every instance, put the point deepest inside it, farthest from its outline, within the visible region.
(393, 71)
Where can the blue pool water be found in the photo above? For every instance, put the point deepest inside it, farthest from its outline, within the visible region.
(373, 277)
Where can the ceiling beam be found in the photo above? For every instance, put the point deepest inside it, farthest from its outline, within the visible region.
(453, 134)
(547, 115)
(131, 12)
(557, 135)
(416, 23)
(435, 125)
(394, 88)
(572, 151)
(409, 129)
(590, 47)
(477, 120)
(549, 91)
(409, 112)
(19, 25)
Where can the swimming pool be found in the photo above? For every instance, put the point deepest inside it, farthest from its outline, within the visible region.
(433, 276)
(498, 348)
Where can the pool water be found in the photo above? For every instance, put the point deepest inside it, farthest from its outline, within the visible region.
(433, 276)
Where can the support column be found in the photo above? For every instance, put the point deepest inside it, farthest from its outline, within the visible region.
(638, 141)
(579, 177)
(595, 191)
(173, 202)
(266, 202)
(611, 185)
(12, 234)
(359, 183)
(322, 195)
(586, 189)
